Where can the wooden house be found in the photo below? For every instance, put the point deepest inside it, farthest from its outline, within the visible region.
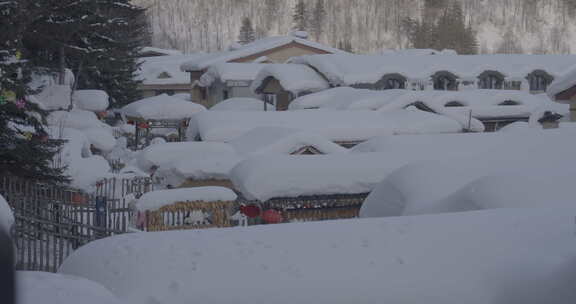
(267, 50)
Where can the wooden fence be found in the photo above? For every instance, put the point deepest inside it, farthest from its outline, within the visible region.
(52, 221)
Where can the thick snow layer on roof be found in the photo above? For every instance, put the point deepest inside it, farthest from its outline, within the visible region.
(239, 104)
(265, 177)
(294, 78)
(162, 155)
(347, 69)
(159, 70)
(230, 71)
(101, 139)
(162, 107)
(421, 52)
(333, 125)
(250, 49)
(6, 216)
(279, 140)
(35, 287)
(208, 168)
(335, 99)
(150, 49)
(155, 200)
(562, 83)
(90, 100)
(496, 257)
(448, 163)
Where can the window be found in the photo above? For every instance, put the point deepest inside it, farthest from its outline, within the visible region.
(391, 81)
(445, 81)
(226, 94)
(454, 104)
(491, 80)
(539, 80)
(168, 92)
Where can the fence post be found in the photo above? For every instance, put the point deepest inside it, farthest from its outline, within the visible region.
(100, 214)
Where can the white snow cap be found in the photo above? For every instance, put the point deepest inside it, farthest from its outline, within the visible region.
(239, 104)
(562, 83)
(90, 100)
(224, 72)
(265, 177)
(162, 107)
(155, 200)
(161, 70)
(359, 125)
(496, 257)
(294, 78)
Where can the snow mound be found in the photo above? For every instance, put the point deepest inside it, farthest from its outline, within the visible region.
(239, 104)
(497, 257)
(162, 107)
(224, 72)
(90, 100)
(423, 179)
(6, 216)
(42, 287)
(155, 200)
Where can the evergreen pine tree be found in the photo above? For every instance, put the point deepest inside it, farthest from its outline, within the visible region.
(300, 17)
(25, 149)
(247, 33)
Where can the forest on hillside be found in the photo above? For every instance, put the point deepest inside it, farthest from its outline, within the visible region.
(367, 26)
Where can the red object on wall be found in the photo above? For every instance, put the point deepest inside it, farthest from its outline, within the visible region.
(272, 216)
(143, 125)
(250, 211)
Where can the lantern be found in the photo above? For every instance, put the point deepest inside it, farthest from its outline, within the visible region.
(272, 216)
(250, 211)
(143, 125)
(78, 198)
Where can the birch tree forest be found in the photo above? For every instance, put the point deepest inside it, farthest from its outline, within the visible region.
(367, 26)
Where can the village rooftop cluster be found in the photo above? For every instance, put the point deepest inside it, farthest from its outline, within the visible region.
(288, 167)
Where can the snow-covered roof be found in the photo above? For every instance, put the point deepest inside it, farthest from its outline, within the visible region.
(280, 140)
(34, 287)
(230, 71)
(430, 168)
(251, 49)
(294, 78)
(155, 200)
(162, 107)
(164, 154)
(562, 83)
(265, 177)
(149, 49)
(421, 52)
(482, 104)
(334, 125)
(90, 100)
(348, 69)
(495, 256)
(164, 70)
(239, 104)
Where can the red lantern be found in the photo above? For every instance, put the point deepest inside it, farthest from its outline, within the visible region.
(250, 211)
(272, 216)
(143, 125)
